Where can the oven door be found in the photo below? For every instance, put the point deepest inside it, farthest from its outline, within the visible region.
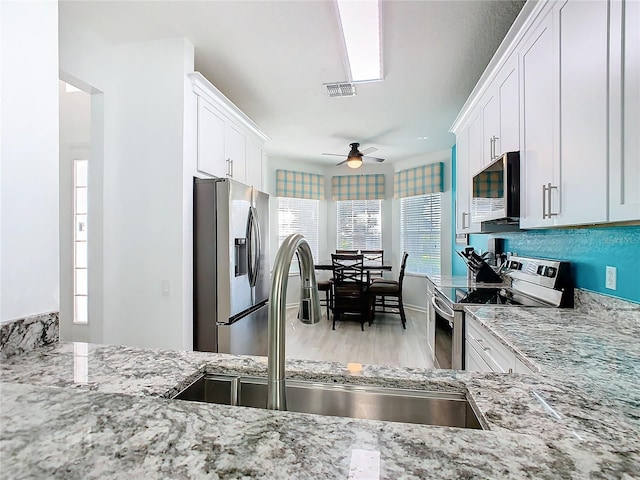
(448, 334)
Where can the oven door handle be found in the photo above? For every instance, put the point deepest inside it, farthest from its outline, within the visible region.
(443, 309)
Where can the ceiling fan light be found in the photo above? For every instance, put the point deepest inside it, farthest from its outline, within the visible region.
(354, 162)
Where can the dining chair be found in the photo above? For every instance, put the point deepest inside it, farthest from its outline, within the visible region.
(326, 286)
(373, 257)
(386, 295)
(350, 288)
(370, 257)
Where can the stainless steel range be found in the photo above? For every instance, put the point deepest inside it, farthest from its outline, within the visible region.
(529, 282)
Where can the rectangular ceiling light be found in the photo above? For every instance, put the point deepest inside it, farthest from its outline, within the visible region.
(360, 22)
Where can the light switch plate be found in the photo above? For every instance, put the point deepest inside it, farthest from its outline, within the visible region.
(611, 279)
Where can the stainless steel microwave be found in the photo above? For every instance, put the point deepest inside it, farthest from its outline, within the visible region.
(496, 190)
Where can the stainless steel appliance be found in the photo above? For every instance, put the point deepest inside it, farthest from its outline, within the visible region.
(496, 191)
(231, 267)
(529, 282)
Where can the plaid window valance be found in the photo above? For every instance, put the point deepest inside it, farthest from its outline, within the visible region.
(299, 185)
(358, 187)
(419, 181)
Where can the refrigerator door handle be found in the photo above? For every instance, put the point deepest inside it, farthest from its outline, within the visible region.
(253, 232)
(258, 246)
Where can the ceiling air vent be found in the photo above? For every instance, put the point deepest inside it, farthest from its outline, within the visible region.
(343, 89)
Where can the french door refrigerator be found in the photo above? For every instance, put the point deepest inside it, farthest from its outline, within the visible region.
(231, 267)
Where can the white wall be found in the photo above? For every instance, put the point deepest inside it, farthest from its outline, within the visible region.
(29, 152)
(143, 183)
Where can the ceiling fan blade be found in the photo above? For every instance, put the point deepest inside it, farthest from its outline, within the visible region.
(335, 154)
(341, 163)
(368, 150)
(375, 159)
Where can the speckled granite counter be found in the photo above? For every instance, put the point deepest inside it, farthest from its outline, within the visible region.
(91, 411)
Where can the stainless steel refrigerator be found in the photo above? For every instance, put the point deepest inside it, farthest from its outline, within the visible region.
(231, 267)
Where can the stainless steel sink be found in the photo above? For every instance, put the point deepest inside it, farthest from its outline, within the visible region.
(375, 403)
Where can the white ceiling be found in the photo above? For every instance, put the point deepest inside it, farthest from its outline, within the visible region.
(271, 58)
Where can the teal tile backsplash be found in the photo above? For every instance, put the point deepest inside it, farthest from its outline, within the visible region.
(589, 249)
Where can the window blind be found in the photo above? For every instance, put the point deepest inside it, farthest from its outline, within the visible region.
(359, 225)
(420, 232)
(298, 215)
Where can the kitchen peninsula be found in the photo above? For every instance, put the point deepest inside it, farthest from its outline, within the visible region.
(73, 410)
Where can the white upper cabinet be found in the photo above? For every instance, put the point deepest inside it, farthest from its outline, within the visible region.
(539, 67)
(491, 128)
(210, 140)
(463, 213)
(229, 144)
(468, 161)
(624, 75)
(564, 117)
(235, 152)
(583, 36)
(254, 164)
(509, 93)
(564, 90)
(500, 114)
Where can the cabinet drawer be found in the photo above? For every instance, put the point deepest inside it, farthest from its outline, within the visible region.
(474, 361)
(498, 357)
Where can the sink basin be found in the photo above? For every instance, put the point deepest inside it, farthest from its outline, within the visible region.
(367, 402)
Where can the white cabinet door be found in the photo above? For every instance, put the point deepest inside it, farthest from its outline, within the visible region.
(475, 146)
(509, 94)
(583, 36)
(462, 182)
(210, 154)
(254, 165)
(235, 152)
(491, 128)
(624, 176)
(539, 71)
(475, 163)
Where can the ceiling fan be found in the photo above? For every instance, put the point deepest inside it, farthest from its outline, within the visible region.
(355, 157)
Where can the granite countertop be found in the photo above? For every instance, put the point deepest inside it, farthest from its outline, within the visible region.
(74, 410)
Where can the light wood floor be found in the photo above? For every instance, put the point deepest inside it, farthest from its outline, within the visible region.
(383, 343)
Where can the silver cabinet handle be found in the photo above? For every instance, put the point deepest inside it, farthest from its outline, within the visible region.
(464, 225)
(228, 167)
(546, 193)
(551, 187)
(494, 153)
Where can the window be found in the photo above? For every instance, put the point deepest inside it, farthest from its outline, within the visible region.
(298, 215)
(420, 226)
(359, 225)
(80, 263)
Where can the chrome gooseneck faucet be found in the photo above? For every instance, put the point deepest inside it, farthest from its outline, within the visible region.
(309, 307)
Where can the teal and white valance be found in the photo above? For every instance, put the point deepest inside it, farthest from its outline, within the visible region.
(419, 181)
(358, 187)
(299, 185)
